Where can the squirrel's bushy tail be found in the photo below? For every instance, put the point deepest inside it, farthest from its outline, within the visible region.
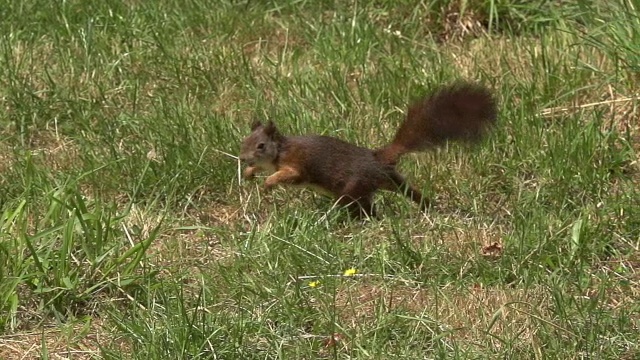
(462, 111)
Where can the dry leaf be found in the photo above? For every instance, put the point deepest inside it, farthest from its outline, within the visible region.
(333, 340)
(493, 250)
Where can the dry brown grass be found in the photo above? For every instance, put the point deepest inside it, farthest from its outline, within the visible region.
(77, 341)
(461, 22)
(6, 158)
(469, 313)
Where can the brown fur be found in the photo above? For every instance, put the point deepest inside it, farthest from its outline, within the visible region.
(353, 174)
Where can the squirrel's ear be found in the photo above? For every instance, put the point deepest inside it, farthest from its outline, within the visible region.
(271, 130)
(256, 124)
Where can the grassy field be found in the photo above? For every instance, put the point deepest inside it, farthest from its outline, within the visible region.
(125, 232)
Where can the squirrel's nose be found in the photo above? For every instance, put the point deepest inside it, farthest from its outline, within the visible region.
(244, 158)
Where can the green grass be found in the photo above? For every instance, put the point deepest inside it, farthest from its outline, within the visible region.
(125, 233)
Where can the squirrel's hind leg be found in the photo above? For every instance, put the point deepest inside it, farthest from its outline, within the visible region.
(358, 198)
(400, 184)
(360, 208)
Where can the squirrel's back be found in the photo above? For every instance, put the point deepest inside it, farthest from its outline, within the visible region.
(330, 162)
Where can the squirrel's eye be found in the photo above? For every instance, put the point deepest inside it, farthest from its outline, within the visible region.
(261, 146)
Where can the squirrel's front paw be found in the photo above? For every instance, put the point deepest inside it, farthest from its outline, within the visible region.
(250, 172)
(269, 183)
(268, 187)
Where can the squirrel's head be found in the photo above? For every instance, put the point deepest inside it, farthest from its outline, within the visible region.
(262, 145)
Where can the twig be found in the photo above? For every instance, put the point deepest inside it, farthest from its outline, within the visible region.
(552, 111)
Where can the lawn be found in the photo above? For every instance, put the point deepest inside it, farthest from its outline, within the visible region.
(126, 231)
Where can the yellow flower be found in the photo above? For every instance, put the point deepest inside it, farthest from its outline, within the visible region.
(313, 284)
(350, 272)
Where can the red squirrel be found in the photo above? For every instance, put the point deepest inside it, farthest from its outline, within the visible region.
(462, 111)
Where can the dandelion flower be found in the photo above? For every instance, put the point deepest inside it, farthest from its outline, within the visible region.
(314, 284)
(350, 272)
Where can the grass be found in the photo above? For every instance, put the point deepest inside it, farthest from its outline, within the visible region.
(125, 233)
